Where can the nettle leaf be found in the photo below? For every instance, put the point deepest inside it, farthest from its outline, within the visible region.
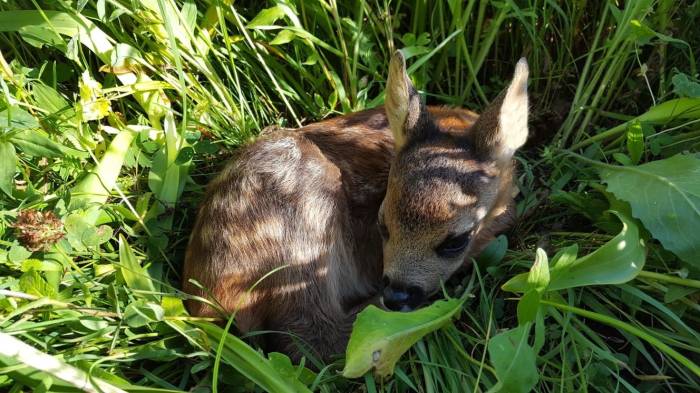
(32, 283)
(379, 337)
(683, 86)
(665, 196)
(81, 233)
(18, 254)
(616, 262)
(514, 361)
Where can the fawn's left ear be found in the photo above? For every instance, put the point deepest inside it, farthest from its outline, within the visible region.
(407, 114)
(502, 127)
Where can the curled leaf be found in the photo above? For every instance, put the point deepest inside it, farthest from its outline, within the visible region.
(379, 337)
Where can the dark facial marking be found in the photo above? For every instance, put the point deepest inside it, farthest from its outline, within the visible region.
(453, 245)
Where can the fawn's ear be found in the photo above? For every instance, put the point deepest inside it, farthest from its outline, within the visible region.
(502, 127)
(402, 103)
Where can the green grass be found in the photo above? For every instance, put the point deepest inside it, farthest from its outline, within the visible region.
(150, 97)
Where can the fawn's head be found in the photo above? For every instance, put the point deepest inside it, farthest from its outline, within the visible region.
(443, 184)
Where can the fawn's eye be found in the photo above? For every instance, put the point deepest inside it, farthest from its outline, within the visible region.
(453, 245)
(383, 231)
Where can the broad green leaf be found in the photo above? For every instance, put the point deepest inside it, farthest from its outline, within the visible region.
(663, 113)
(37, 144)
(665, 196)
(528, 306)
(250, 362)
(173, 306)
(267, 17)
(135, 276)
(514, 361)
(81, 233)
(142, 312)
(494, 252)
(8, 166)
(681, 108)
(379, 337)
(617, 261)
(18, 254)
(676, 292)
(38, 37)
(284, 37)
(49, 99)
(565, 256)
(41, 265)
(16, 119)
(284, 366)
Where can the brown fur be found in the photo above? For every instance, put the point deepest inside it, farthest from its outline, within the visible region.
(307, 201)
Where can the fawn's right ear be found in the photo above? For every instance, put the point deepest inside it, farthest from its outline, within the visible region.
(502, 127)
(402, 103)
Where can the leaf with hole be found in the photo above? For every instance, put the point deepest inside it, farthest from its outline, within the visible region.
(33, 283)
(379, 337)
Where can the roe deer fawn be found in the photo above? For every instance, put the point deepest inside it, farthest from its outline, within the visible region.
(387, 201)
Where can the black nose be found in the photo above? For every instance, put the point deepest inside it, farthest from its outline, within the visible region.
(401, 297)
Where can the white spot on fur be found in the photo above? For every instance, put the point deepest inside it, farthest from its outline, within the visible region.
(481, 213)
(290, 289)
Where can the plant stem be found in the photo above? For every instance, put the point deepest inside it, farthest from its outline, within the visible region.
(630, 329)
(669, 279)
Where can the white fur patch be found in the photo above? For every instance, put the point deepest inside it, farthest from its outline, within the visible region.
(512, 120)
(397, 97)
